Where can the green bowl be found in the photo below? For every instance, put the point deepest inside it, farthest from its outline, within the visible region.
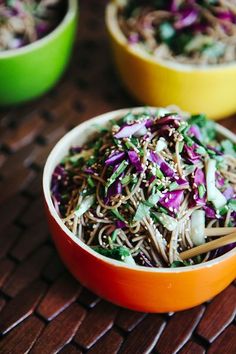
(30, 71)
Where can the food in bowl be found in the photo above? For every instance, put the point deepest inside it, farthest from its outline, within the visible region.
(146, 186)
(148, 289)
(19, 79)
(24, 22)
(193, 32)
(160, 82)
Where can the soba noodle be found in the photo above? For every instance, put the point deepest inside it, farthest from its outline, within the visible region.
(134, 190)
(192, 32)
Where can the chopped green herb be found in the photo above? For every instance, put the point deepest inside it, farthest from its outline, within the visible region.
(114, 234)
(91, 161)
(86, 203)
(119, 253)
(162, 210)
(228, 147)
(181, 145)
(130, 145)
(87, 191)
(144, 207)
(141, 212)
(167, 221)
(126, 180)
(117, 214)
(223, 211)
(166, 31)
(158, 172)
(90, 181)
(177, 264)
(214, 50)
(200, 150)
(232, 204)
(189, 169)
(201, 190)
(173, 186)
(117, 173)
(128, 118)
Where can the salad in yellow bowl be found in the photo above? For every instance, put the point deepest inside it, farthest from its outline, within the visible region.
(176, 52)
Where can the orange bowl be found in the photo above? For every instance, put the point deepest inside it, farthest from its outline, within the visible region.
(135, 287)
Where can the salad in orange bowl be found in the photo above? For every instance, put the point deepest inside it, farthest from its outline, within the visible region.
(128, 193)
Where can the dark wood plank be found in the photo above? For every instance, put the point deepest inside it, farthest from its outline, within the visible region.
(10, 210)
(2, 303)
(225, 343)
(179, 330)
(6, 267)
(8, 237)
(17, 161)
(192, 348)
(144, 337)
(24, 134)
(34, 213)
(27, 271)
(30, 240)
(219, 314)
(70, 349)
(127, 319)
(21, 306)
(15, 184)
(59, 331)
(98, 321)
(21, 338)
(60, 295)
(88, 299)
(109, 344)
(54, 268)
(62, 313)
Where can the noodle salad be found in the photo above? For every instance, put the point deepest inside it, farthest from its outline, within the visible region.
(24, 22)
(147, 186)
(186, 31)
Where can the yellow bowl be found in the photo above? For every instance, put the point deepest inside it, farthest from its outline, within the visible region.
(209, 89)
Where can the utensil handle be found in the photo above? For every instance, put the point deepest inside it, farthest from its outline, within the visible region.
(209, 246)
(218, 231)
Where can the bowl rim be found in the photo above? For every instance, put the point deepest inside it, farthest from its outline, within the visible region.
(68, 16)
(114, 29)
(65, 140)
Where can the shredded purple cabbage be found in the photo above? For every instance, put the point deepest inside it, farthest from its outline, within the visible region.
(172, 200)
(129, 130)
(165, 168)
(115, 159)
(135, 160)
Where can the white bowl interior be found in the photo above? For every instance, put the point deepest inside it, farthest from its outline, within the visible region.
(78, 136)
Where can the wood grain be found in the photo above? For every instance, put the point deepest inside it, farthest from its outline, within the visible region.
(42, 308)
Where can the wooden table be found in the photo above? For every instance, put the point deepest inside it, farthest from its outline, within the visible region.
(42, 308)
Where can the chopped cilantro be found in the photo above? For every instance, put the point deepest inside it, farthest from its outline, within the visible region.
(117, 214)
(232, 204)
(118, 253)
(177, 264)
(117, 173)
(166, 31)
(90, 181)
(201, 190)
(173, 186)
(228, 147)
(144, 207)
